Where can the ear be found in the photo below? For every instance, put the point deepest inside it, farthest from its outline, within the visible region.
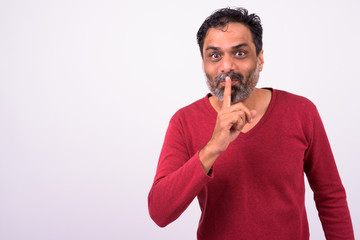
(261, 60)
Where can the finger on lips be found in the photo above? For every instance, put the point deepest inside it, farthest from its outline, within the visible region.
(246, 116)
(227, 93)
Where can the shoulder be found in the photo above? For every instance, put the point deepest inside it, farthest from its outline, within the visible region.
(195, 109)
(296, 111)
(293, 102)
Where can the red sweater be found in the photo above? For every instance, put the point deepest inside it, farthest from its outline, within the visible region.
(256, 187)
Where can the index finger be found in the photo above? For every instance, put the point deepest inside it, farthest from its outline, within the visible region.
(227, 93)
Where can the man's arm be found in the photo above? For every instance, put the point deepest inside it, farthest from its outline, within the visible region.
(324, 179)
(178, 180)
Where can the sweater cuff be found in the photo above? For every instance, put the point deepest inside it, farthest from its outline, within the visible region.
(199, 167)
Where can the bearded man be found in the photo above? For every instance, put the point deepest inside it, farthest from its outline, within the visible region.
(244, 151)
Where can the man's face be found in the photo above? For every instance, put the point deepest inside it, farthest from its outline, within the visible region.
(230, 51)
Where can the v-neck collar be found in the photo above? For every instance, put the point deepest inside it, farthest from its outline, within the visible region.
(258, 125)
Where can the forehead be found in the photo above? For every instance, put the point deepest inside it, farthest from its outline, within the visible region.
(228, 36)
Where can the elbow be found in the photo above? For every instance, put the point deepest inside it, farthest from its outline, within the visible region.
(159, 220)
(158, 213)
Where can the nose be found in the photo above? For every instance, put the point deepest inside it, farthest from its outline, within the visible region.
(227, 64)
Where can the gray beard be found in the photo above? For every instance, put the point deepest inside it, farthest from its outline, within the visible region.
(238, 93)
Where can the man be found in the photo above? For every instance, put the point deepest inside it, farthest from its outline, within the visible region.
(243, 151)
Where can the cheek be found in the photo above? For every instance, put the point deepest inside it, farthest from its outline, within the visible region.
(248, 69)
(208, 78)
(210, 71)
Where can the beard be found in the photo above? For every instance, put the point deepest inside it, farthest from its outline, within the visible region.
(240, 91)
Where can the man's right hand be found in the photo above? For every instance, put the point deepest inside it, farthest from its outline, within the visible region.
(230, 121)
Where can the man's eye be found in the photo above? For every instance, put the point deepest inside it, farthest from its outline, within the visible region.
(240, 53)
(215, 55)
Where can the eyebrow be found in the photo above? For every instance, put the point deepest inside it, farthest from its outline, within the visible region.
(211, 48)
(234, 47)
(240, 45)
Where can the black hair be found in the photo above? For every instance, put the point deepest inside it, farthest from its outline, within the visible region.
(224, 16)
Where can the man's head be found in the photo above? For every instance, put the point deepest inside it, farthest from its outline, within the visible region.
(222, 17)
(230, 41)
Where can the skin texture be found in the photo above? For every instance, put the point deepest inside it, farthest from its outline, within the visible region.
(231, 49)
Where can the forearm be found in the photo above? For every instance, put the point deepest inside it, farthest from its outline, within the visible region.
(207, 157)
(170, 195)
(334, 214)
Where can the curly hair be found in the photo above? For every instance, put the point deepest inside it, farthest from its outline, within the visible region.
(222, 17)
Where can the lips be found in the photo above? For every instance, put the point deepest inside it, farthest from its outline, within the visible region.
(233, 82)
(236, 79)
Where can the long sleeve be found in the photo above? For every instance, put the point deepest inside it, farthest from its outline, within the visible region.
(178, 180)
(324, 179)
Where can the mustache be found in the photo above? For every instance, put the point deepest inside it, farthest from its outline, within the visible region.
(233, 76)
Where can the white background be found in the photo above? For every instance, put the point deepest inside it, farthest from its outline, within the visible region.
(87, 89)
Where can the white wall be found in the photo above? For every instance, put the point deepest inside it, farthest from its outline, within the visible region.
(87, 89)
